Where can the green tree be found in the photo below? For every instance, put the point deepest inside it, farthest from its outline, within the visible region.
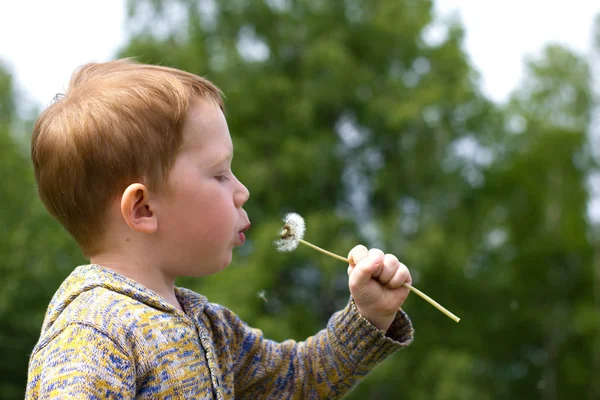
(348, 112)
(367, 118)
(344, 111)
(548, 243)
(552, 270)
(35, 253)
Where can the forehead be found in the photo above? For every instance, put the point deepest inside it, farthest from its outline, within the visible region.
(205, 128)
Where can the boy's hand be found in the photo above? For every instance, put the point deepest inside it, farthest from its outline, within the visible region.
(375, 282)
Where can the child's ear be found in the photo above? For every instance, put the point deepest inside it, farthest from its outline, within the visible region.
(136, 209)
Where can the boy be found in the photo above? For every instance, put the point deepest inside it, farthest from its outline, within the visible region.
(135, 162)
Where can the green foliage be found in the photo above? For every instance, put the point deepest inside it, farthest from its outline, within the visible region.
(348, 113)
(35, 253)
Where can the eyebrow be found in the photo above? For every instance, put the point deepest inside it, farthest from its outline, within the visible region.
(226, 157)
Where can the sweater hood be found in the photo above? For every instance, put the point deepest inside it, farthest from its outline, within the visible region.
(89, 277)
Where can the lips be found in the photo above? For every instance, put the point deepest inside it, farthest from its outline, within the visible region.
(241, 235)
(245, 228)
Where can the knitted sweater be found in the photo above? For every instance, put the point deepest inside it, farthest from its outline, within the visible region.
(106, 336)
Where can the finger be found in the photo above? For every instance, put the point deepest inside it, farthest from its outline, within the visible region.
(349, 270)
(401, 276)
(377, 256)
(358, 253)
(390, 265)
(366, 269)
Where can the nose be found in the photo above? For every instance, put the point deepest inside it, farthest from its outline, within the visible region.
(241, 195)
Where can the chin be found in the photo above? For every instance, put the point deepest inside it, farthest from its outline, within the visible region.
(227, 262)
(214, 268)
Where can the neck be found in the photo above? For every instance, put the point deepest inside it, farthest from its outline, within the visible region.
(144, 273)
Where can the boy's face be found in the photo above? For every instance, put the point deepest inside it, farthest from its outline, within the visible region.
(201, 217)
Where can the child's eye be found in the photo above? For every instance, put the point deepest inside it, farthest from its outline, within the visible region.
(222, 178)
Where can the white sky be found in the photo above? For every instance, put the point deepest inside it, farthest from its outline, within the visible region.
(43, 41)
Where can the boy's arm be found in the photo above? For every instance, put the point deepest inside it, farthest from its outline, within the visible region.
(328, 364)
(325, 366)
(80, 362)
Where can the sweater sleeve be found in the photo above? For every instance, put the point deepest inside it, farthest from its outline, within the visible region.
(325, 366)
(80, 362)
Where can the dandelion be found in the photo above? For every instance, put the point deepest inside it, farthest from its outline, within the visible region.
(263, 296)
(293, 233)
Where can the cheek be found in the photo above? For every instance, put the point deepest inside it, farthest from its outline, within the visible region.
(212, 208)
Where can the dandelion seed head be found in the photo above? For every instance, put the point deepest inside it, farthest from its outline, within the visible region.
(292, 232)
(263, 296)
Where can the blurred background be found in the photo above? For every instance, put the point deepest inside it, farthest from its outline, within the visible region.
(460, 135)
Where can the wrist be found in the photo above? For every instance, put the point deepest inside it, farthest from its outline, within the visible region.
(379, 321)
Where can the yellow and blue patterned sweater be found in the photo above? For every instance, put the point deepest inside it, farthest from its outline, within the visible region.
(106, 336)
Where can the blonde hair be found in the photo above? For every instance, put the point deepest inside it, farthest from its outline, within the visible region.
(118, 122)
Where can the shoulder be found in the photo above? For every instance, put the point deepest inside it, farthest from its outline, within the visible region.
(222, 315)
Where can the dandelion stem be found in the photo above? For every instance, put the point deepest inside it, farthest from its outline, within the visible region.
(411, 288)
(432, 302)
(323, 250)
